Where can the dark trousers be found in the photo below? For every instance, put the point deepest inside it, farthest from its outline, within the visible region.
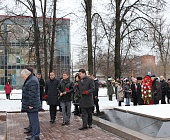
(66, 111)
(86, 116)
(156, 101)
(96, 103)
(35, 125)
(53, 110)
(29, 121)
(120, 102)
(135, 101)
(163, 99)
(77, 110)
(7, 96)
(110, 97)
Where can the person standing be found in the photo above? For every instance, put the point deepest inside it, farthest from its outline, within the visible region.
(31, 102)
(42, 85)
(110, 90)
(65, 90)
(163, 89)
(51, 95)
(134, 89)
(95, 94)
(76, 96)
(120, 95)
(168, 91)
(86, 88)
(127, 92)
(156, 89)
(139, 93)
(8, 90)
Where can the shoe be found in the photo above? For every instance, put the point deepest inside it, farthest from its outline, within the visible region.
(64, 123)
(52, 121)
(83, 128)
(67, 123)
(27, 132)
(27, 128)
(30, 138)
(90, 126)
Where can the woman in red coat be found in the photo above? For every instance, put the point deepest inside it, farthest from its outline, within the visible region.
(8, 89)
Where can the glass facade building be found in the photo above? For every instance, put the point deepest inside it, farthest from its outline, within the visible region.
(17, 53)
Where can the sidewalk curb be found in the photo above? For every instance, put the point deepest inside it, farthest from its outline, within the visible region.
(121, 131)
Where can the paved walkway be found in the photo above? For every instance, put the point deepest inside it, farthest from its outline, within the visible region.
(17, 121)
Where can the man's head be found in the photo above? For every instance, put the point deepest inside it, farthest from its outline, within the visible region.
(65, 75)
(161, 78)
(82, 73)
(38, 75)
(52, 75)
(93, 76)
(153, 77)
(25, 73)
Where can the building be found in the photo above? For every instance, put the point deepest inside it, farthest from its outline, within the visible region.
(17, 51)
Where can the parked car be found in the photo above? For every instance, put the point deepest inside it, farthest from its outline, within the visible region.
(102, 83)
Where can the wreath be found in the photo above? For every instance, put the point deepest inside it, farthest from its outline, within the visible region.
(146, 89)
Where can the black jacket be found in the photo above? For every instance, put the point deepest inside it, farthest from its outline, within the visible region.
(156, 89)
(164, 87)
(51, 89)
(96, 83)
(42, 85)
(31, 95)
(68, 86)
(86, 84)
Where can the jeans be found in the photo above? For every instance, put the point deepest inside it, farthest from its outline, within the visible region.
(127, 101)
(35, 125)
(66, 111)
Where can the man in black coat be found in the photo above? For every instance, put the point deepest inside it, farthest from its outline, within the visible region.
(86, 89)
(156, 89)
(134, 92)
(42, 85)
(65, 89)
(139, 92)
(95, 94)
(163, 89)
(31, 102)
(51, 91)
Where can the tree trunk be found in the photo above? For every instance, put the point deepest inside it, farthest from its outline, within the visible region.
(117, 42)
(89, 35)
(36, 38)
(53, 37)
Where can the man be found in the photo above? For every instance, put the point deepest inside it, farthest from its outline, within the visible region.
(95, 94)
(156, 89)
(139, 93)
(134, 91)
(42, 85)
(86, 89)
(65, 89)
(31, 102)
(51, 92)
(164, 89)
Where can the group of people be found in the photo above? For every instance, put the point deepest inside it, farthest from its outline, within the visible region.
(59, 92)
(134, 90)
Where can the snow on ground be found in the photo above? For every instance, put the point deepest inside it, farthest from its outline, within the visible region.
(15, 103)
(152, 110)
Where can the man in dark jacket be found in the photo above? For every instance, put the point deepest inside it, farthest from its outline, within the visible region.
(139, 93)
(86, 89)
(51, 92)
(156, 89)
(95, 94)
(31, 102)
(65, 89)
(42, 85)
(163, 88)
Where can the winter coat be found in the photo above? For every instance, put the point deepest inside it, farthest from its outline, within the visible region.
(120, 94)
(168, 91)
(86, 88)
(68, 86)
(127, 91)
(76, 94)
(110, 90)
(164, 87)
(42, 85)
(96, 89)
(156, 89)
(134, 90)
(139, 94)
(31, 95)
(8, 88)
(51, 90)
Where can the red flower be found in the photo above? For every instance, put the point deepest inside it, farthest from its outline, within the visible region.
(45, 96)
(66, 89)
(86, 92)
